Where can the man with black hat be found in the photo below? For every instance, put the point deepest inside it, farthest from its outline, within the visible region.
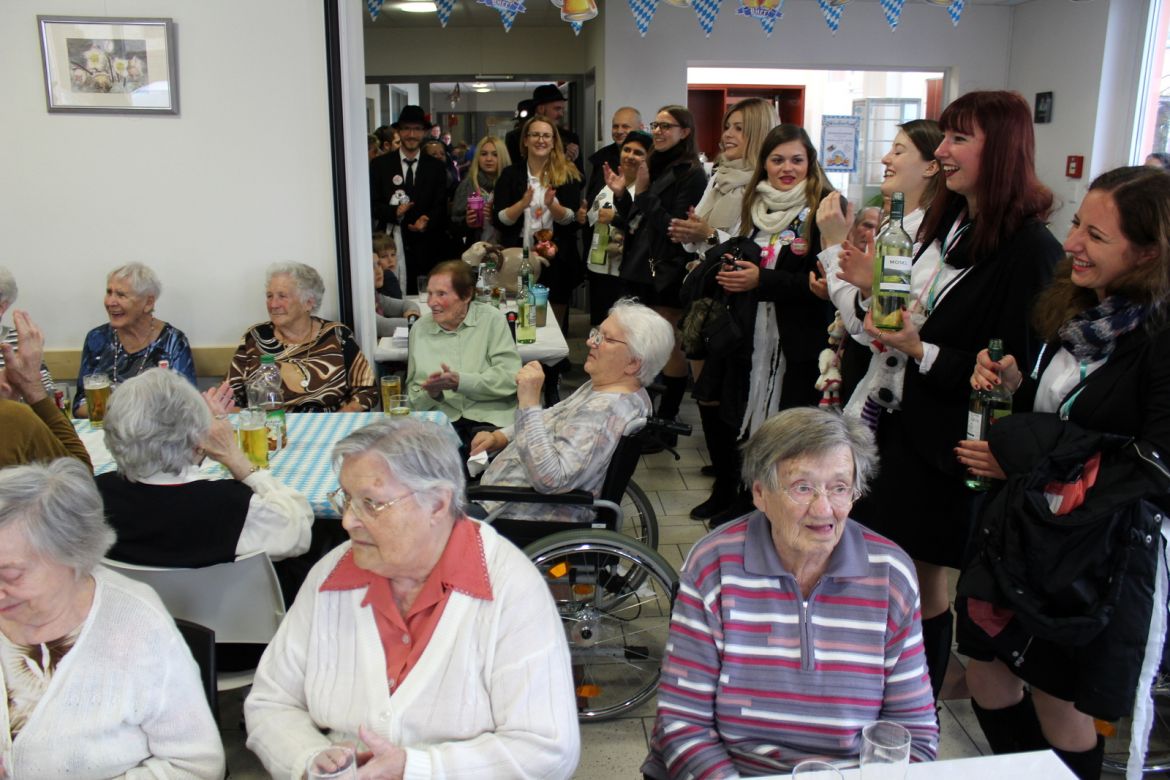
(408, 190)
(548, 102)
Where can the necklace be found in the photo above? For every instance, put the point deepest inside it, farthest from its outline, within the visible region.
(144, 352)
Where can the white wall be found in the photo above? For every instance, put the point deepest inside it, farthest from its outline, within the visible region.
(208, 198)
(649, 72)
(425, 51)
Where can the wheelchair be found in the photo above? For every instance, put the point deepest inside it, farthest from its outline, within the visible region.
(612, 590)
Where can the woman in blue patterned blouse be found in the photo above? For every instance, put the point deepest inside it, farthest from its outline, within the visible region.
(134, 339)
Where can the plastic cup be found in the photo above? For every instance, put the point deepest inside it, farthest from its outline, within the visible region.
(97, 397)
(399, 406)
(885, 751)
(540, 292)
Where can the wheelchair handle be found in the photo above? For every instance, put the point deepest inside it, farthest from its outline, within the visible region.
(660, 425)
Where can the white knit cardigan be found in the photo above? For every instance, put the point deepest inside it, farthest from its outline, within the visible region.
(491, 696)
(126, 701)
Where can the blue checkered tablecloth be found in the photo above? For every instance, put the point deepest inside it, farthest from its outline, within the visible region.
(304, 462)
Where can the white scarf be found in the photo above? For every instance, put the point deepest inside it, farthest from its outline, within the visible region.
(773, 210)
(721, 204)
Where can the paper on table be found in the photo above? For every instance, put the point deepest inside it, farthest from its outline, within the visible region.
(401, 337)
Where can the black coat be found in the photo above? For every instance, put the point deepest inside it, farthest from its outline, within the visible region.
(428, 197)
(566, 270)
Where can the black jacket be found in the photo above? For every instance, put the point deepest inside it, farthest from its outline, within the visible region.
(648, 246)
(510, 188)
(428, 197)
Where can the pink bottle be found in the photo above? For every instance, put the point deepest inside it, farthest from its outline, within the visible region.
(475, 205)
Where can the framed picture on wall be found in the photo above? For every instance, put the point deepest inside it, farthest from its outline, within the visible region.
(105, 65)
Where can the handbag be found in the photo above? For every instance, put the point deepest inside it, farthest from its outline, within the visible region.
(708, 327)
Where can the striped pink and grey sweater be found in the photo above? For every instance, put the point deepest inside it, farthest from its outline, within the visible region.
(757, 679)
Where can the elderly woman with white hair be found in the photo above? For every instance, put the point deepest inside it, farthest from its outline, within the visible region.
(165, 511)
(8, 334)
(794, 626)
(98, 682)
(427, 636)
(569, 446)
(321, 365)
(134, 339)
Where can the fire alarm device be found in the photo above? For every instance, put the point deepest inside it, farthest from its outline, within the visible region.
(1075, 166)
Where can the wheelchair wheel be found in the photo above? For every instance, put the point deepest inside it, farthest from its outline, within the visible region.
(638, 518)
(614, 596)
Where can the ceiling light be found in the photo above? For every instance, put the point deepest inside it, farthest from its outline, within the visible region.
(417, 7)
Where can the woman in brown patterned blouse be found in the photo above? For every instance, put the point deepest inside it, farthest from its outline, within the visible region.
(322, 367)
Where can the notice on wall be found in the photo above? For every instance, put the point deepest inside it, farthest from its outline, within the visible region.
(839, 137)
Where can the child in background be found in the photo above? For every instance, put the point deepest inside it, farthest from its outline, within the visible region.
(386, 257)
(391, 311)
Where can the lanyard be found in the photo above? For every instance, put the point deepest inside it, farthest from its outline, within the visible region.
(956, 233)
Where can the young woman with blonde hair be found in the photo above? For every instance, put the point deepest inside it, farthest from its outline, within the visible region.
(491, 157)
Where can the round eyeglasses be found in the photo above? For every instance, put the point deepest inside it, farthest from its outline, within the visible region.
(805, 493)
(596, 337)
(540, 136)
(664, 125)
(365, 509)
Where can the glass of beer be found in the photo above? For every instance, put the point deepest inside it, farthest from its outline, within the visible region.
(391, 386)
(97, 397)
(254, 435)
(399, 406)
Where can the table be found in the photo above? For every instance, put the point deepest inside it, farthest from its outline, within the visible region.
(550, 346)
(1040, 765)
(303, 464)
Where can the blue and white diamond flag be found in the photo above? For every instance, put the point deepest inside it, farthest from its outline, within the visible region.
(576, 27)
(706, 11)
(893, 11)
(955, 10)
(444, 8)
(507, 10)
(643, 11)
(375, 8)
(832, 15)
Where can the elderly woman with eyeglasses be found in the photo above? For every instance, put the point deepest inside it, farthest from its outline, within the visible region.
(569, 446)
(426, 636)
(97, 681)
(321, 365)
(134, 339)
(794, 626)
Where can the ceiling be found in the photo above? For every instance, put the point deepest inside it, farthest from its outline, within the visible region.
(538, 13)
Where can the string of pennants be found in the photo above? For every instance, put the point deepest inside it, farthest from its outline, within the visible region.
(766, 12)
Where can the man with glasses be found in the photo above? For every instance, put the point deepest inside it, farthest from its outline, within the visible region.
(408, 194)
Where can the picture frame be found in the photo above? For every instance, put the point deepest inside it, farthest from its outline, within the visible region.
(110, 65)
(1042, 114)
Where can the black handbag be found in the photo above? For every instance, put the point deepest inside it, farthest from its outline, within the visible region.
(708, 327)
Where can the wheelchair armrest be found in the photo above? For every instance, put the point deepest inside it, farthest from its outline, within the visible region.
(528, 495)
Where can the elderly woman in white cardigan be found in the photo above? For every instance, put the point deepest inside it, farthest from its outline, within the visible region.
(98, 682)
(427, 637)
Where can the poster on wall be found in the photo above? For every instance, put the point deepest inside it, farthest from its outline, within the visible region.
(109, 65)
(839, 136)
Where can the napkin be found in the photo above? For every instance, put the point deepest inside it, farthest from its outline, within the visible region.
(477, 464)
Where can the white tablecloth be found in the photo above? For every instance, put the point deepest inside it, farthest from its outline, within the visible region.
(304, 462)
(550, 346)
(1041, 765)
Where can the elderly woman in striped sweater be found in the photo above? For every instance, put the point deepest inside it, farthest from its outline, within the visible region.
(794, 626)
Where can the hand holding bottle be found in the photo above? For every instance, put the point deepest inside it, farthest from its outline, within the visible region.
(977, 457)
(990, 373)
(906, 340)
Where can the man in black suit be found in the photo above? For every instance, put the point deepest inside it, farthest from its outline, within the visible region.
(408, 190)
(624, 120)
(548, 102)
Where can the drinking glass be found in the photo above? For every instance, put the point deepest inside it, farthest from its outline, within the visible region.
(254, 435)
(399, 406)
(97, 397)
(391, 386)
(333, 763)
(540, 292)
(885, 751)
(812, 769)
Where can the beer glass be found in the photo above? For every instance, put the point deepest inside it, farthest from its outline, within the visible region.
(254, 435)
(399, 406)
(97, 397)
(391, 386)
(885, 751)
(811, 769)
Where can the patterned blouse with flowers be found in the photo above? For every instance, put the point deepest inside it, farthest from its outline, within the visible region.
(320, 375)
(103, 353)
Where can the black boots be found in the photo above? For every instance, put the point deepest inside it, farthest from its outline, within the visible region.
(1016, 729)
(721, 447)
(1086, 765)
(937, 633)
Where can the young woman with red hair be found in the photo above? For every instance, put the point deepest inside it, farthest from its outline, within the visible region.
(988, 225)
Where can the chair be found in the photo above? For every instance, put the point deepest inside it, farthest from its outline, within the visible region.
(622, 506)
(240, 601)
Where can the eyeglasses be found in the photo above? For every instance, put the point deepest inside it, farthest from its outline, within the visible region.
(840, 495)
(663, 125)
(364, 509)
(541, 136)
(596, 337)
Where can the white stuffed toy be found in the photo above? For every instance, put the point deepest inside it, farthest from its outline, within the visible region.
(829, 362)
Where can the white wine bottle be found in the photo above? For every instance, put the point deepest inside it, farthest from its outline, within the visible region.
(987, 407)
(893, 255)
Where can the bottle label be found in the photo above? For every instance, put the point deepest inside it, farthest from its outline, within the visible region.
(974, 426)
(897, 264)
(890, 288)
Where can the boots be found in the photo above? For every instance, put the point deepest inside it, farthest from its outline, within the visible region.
(721, 447)
(937, 633)
(1087, 764)
(1014, 729)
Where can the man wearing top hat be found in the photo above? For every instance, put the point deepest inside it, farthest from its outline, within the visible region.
(408, 191)
(548, 102)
